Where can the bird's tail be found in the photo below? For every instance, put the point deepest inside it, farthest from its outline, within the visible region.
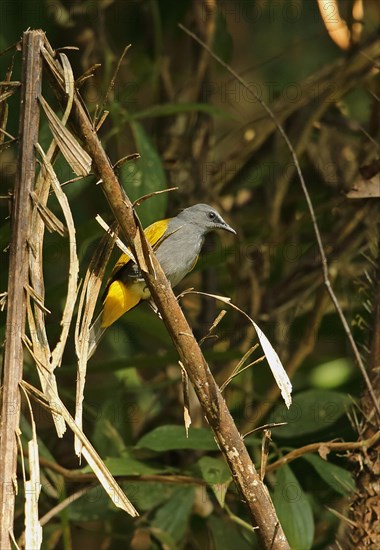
(96, 333)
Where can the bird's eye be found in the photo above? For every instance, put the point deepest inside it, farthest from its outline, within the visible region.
(211, 215)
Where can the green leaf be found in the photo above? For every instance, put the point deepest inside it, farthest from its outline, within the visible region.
(166, 541)
(332, 374)
(293, 510)
(311, 411)
(226, 535)
(170, 438)
(111, 427)
(145, 176)
(173, 517)
(217, 474)
(91, 506)
(169, 109)
(148, 495)
(129, 466)
(338, 478)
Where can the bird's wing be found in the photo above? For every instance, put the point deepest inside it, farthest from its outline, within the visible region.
(153, 233)
(120, 297)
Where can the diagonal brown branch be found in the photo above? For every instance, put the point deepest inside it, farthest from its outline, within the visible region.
(253, 491)
(18, 273)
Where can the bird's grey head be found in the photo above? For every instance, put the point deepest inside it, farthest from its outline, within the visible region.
(205, 218)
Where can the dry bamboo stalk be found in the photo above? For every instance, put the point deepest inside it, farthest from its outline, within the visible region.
(18, 276)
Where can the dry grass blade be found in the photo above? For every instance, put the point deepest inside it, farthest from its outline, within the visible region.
(213, 327)
(12, 83)
(239, 366)
(127, 158)
(102, 120)
(3, 300)
(33, 529)
(7, 94)
(111, 84)
(41, 348)
(95, 462)
(140, 251)
(68, 79)
(48, 55)
(265, 427)
(104, 225)
(186, 400)
(87, 304)
(3, 132)
(278, 371)
(52, 223)
(89, 73)
(72, 288)
(342, 517)
(264, 452)
(75, 155)
(140, 200)
(37, 299)
(6, 144)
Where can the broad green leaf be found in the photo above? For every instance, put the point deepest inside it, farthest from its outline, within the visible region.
(167, 542)
(169, 438)
(332, 374)
(215, 471)
(147, 495)
(114, 418)
(173, 516)
(145, 176)
(226, 535)
(338, 478)
(129, 466)
(293, 510)
(311, 411)
(91, 506)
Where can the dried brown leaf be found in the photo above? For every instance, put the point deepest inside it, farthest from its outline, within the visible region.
(101, 471)
(278, 371)
(72, 286)
(76, 156)
(51, 221)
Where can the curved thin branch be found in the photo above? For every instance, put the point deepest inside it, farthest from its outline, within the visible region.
(330, 445)
(325, 268)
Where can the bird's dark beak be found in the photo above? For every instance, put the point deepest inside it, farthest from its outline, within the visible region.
(227, 227)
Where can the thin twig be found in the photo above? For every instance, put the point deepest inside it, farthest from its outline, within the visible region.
(111, 84)
(140, 200)
(328, 445)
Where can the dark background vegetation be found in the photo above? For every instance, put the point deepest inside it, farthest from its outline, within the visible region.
(197, 128)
